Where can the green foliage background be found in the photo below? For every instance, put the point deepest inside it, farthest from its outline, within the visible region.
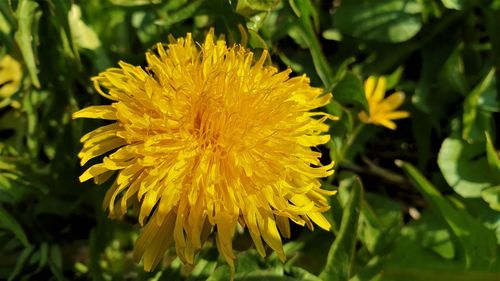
(418, 203)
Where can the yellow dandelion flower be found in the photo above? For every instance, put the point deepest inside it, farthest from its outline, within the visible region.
(205, 138)
(382, 111)
(10, 76)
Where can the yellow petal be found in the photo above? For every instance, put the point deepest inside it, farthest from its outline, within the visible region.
(269, 231)
(393, 101)
(105, 146)
(387, 123)
(397, 115)
(379, 92)
(154, 241)
(93, 171)
(253, 228)
(226, 225)
(147, 205)
(364, 117)
(104, 129)
(106, 112)
(320, 220)
(283, 226)
(370, 86)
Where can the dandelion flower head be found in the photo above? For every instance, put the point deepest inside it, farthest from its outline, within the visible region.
(382, 111)
(206, 137)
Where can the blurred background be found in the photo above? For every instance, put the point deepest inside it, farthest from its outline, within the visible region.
(420, 202)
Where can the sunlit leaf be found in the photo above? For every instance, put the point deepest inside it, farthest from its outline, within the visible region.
(249, 7)
(463, 166)
(453, 4)
(379, 20)
(477, 243)
(132, 3)
(492, 196)
(83, 35)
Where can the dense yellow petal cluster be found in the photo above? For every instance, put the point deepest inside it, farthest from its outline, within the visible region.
(10, 76)
(205, 138)
(382, 111)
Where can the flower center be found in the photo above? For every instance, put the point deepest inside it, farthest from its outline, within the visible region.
(208, 124)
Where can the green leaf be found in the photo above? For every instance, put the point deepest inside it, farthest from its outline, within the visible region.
(492, 156)
(132, 3)
(303, 274)
(10, 223)
(471, 104)
(308, 20)
(181, 14)
(339, 262)
(44, 255)
(350, 91)
(492, 197)
(463, 166)
(409, 261)
(61, 19)
(434, 235)
(437, 54)
(5, 25)
(255, 40)
(28, 14)
(389, 21)
(21, 260)
(84, 36)
(249, 7)
(477, 243)
(380, 223)
(453, 4)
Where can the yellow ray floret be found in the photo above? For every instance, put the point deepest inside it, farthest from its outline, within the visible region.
(205, 138)
(10, 76)
(382, 111)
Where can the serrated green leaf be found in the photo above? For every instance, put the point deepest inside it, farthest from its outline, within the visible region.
(434, 234)
(28, 14)
(390, 21)
(380, 223)
(478, 247)
(339, 262)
